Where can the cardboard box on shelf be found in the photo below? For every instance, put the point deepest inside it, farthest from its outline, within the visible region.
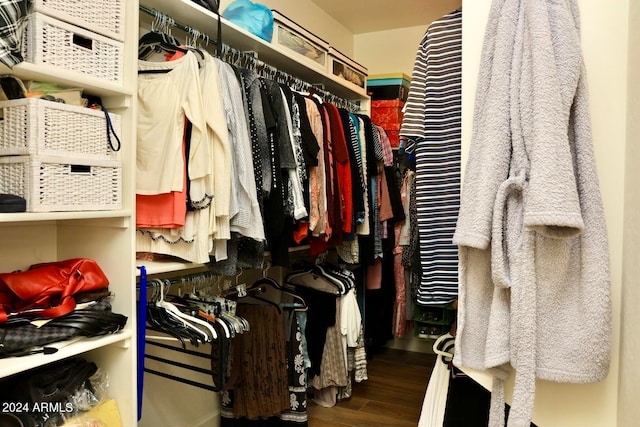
(342, 66)
(387, 112)
(299, 40)
(388, 86)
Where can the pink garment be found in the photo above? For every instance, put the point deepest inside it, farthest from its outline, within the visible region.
(374, 275)
(317, 192)
(384, 200)
(167, 210)
(326, 397)
(400, 323)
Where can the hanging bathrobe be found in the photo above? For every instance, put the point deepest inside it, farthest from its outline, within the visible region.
(534, 267)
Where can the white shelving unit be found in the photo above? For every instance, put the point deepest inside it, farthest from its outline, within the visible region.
(106, 236)
(159, 267)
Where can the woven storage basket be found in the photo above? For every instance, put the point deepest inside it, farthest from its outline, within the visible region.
(104, 17)
(50, 41)
(62, 184)
(37, 126)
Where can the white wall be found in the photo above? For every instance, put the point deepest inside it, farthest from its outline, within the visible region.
(629, 388)
(392, 51)
(605, 46)
(168, 403)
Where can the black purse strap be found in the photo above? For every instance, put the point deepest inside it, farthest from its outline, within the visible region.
(97, 102)
(111, 131)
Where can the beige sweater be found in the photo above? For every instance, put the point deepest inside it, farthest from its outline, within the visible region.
(534, 268)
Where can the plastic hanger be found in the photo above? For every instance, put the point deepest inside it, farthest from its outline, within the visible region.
(225, 327)
(338, 282)
(319, 272)
(158, 320)
(219, 319)
(197, 316)
(187, 320)
(265, 280)
(192, 46)
(261, 289)
(192, 318)
(149, 42)
(343, 274)
(437, 345)
(154, 322)
(313, 280)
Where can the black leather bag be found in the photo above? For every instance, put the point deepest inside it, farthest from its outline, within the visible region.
(21, 337)
(12, 203)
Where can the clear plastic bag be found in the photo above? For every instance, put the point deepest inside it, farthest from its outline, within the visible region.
(85, 421)
(85, 398)
(253, 17)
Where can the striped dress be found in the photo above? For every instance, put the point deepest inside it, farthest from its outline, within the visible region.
(432, 127)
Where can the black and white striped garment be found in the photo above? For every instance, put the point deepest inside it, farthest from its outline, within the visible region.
(13, 18)
(432, 126)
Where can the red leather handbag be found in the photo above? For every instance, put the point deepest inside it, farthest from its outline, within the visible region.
(46, 290)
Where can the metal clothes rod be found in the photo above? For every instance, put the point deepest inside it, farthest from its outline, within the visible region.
(182, 279)
(248, 60)
(182, 380)
(179, 364)
(214, 388)
(179, 349)
(159, 15)
(186, 278)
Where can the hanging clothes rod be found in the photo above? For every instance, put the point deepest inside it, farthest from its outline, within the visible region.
(187, 29)
(218, 356)
(249, 60)
(178, 364)
(187, 278)
(151, 341)
(182, 380)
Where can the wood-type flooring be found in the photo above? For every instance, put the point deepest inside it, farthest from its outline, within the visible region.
(392, 396)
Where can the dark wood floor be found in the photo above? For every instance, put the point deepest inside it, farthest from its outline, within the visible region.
(392, 396)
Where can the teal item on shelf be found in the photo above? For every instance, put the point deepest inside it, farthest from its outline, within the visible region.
(387, 82)
(253, 17)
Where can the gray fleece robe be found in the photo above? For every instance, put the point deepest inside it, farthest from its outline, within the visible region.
(534, 289)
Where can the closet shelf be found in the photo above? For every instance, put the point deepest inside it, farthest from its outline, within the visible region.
(158, 267)
(195, 16)
(484, 378)
(22, 217)
(49, 73)
(14, 365)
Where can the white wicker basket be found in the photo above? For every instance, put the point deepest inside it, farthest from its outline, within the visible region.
(52, 184)
(105, 17)
(53, 42)
(37, 126)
